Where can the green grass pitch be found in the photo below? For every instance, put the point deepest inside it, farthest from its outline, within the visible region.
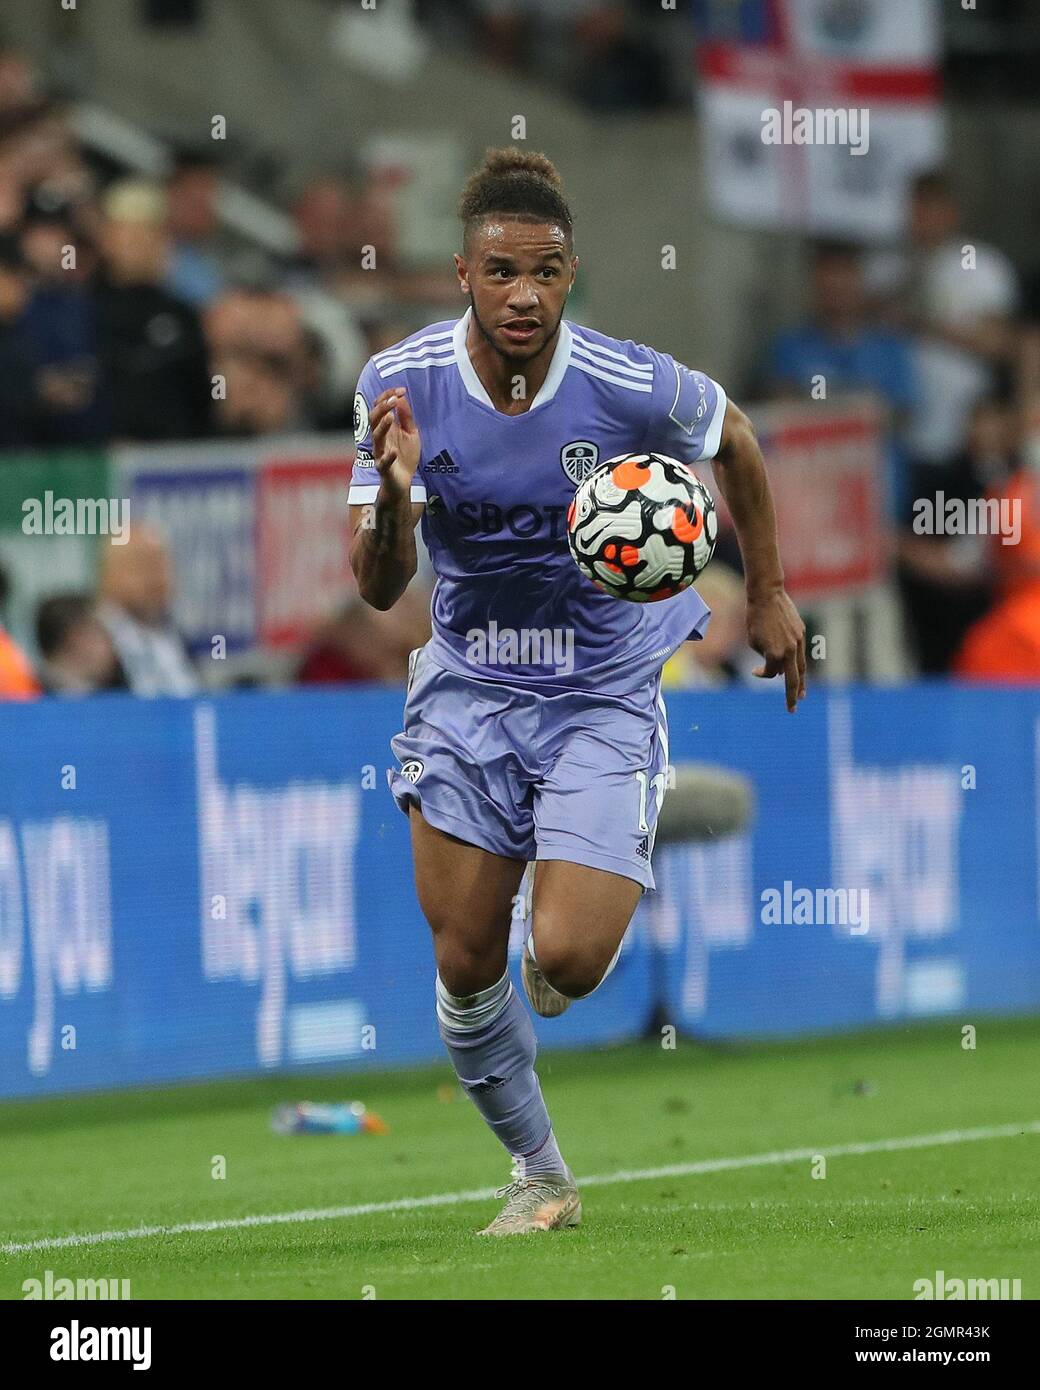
(873, 1225)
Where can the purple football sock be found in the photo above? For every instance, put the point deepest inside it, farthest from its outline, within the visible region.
(491, 1042)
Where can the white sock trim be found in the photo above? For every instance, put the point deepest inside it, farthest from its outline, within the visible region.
(465, 1013)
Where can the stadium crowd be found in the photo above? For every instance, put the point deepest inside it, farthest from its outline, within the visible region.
(128, 313)
(944, 335)
(610, 55)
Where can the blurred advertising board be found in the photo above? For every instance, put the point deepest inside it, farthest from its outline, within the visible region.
(302, 552)
(827, 472)
(229, 888)
(204, 507)
(257, 531)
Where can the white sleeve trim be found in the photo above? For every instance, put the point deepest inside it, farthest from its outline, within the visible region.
(713, 434)
(361, 493)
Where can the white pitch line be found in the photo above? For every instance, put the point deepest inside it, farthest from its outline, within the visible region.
(451, 1199)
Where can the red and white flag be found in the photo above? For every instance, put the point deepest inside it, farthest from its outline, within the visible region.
(817, 113)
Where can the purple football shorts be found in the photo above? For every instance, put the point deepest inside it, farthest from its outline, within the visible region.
(573, 775)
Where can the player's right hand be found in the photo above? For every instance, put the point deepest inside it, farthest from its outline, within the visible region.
(396, 445)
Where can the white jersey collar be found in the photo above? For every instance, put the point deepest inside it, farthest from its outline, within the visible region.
(557, 367)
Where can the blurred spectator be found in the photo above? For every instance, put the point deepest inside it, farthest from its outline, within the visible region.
(17, 681)
(406, 626)
(21, 410)
(615, 68)
(349, 242)
(334, 353)
(17, 81)
(137, 599)
(1027, 383)
(595, 50)
(61, 320)
(722, 656)
(77, 650)
(154, 359)
(328, 228)
(38, 150)
(1004, 645)
(290, 360)
(350, 250)
(345, 649)
(261, 320)
(956, 295)
(195, 271)
(945, 579)
(360, 644)
(261, 398)
(260, 347)
(838, 341)
(850, 353)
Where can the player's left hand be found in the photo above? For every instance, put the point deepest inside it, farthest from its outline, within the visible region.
(777, 633)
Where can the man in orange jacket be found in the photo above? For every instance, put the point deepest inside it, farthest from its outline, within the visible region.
(1005, 644)
(17, 681)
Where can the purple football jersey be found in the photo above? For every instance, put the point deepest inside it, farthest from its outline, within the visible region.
(510, 604)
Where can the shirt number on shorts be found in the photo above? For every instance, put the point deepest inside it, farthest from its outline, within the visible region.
(657, 783)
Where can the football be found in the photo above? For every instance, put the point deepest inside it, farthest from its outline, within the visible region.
(642, 527)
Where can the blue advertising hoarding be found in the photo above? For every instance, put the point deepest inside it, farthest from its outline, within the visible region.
(222, 886)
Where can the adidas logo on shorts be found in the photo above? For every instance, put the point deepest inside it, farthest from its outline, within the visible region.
(643, 848)
(412, 770)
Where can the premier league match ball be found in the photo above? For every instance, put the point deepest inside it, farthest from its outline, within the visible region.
(642, 527)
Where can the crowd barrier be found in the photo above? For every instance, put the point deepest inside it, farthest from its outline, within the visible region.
(200, 888)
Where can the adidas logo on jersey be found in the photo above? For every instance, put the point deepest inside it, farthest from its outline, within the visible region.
(442, 463)
(412, 770)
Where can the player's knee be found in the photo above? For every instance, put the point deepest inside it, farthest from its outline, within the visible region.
(465, 970)
(571, 968)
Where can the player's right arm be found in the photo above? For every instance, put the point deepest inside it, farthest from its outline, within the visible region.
(382, 551)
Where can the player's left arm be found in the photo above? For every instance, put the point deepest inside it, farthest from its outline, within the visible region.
(692, 419)
(774, 627)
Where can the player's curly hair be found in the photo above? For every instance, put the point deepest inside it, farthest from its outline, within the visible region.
(522, 183)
